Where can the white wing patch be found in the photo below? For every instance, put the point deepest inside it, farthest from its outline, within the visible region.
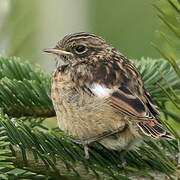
(100, 90)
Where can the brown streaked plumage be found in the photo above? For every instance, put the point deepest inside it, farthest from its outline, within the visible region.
(98, 95)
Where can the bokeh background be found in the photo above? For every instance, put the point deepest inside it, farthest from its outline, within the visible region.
(27, 27)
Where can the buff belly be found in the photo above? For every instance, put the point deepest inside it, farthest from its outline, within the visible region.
(85, 117)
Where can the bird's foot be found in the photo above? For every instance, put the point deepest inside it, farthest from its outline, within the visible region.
(85, 144)
(86, 151)
(178, 155)
(122, 158)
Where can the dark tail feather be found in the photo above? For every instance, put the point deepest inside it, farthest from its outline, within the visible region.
(154, 129)
(168, 136)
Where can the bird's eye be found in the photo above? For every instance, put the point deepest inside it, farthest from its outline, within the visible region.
(80, 49)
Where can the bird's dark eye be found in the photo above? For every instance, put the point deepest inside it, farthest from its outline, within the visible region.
(80, 49)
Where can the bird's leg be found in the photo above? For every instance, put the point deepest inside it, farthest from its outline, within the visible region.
(85, 144)
(123, 160)
(86, 151)
(178, 155)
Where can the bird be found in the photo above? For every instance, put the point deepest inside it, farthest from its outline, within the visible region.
(99, 95)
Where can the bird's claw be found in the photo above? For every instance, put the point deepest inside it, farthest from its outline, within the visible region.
(86, 151)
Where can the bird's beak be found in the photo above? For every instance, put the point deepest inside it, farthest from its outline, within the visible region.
(59, 52)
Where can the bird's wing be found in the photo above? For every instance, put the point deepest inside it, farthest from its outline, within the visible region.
(120, 83)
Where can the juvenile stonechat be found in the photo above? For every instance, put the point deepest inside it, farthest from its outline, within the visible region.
(99, 95)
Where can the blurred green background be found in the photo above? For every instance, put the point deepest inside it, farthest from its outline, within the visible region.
(27, 27)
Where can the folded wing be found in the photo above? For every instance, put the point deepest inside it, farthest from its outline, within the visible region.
(122, 85)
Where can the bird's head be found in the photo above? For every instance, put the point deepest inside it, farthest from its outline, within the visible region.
(80, 47)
